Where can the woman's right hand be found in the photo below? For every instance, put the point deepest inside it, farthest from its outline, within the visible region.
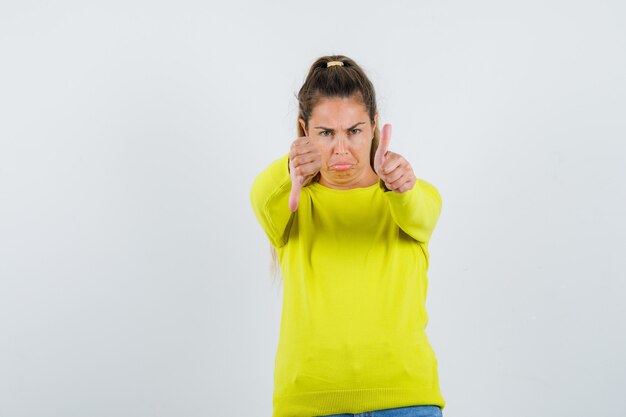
(305, 161)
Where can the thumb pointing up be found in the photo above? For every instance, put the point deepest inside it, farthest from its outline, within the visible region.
(383, 146)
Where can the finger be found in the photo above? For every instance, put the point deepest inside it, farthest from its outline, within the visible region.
(301, 150)
(299, 176)
(296, 186)
(302, 146)
(308, 169)
(408, 179)
(406, 186)
(304, 159)
(383, 145)
(294, 195)
(394, 175)
(395, 168)
(391, 163)
(395, 185)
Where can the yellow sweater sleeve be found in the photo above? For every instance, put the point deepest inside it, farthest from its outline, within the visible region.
(417, 210)
(269, 196)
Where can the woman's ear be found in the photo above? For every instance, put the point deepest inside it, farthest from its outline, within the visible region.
(303, 126)
(374, 125)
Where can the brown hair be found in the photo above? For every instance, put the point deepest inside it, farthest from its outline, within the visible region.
(325, 81)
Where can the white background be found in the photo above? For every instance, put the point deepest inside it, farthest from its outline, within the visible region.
(134, 279)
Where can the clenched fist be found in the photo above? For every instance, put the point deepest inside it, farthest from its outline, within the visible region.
(305, 161)
(391, 167)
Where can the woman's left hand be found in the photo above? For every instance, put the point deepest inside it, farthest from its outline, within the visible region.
(391, 167)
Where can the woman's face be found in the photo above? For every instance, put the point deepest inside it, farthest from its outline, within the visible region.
(342, 130)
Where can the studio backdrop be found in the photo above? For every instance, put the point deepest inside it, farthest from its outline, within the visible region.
(135, 280)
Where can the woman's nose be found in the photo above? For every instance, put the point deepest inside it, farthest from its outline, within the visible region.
(340, 144)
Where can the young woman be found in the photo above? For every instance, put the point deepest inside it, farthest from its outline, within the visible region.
(350, 225)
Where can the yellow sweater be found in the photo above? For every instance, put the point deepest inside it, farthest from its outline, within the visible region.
(352, 333)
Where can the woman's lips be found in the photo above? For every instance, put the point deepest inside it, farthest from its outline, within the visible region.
(342, 167)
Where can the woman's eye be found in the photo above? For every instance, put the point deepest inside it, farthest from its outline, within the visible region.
(356, 131)
(323, 133)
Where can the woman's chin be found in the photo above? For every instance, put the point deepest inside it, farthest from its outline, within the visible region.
(339, 175)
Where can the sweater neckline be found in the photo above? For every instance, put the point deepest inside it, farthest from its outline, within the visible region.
(317, 186)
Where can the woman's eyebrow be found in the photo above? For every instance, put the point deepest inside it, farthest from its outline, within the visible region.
(328, 128)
